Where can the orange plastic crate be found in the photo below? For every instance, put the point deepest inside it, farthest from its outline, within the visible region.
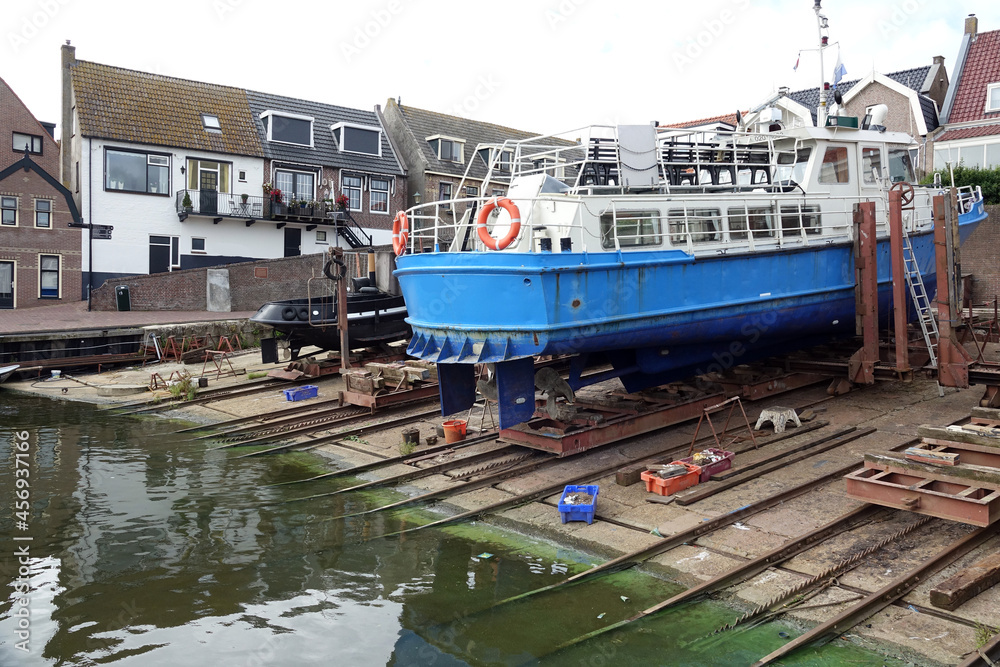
(666, 487)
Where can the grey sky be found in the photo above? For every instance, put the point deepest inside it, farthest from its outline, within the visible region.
(542, 66)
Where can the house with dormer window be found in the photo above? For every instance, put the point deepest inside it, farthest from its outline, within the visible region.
(970, 135)
(438, 150)
(192, 174)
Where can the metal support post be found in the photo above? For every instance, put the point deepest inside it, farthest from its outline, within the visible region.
(953, 359)
(345, 348)
(861, 367)
(898, 280)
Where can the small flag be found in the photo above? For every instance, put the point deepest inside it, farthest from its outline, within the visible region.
(796, 68)
(838, 71)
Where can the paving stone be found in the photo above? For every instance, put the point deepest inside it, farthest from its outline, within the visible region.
(694, 564)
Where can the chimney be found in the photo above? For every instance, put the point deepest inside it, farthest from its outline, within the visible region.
(66, 163)
(939, 60)
(971, 25)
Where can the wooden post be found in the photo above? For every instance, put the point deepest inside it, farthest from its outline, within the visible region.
(861, 367)
(898, 281)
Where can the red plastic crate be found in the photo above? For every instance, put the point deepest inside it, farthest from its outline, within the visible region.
(672, 485)
(712, 468)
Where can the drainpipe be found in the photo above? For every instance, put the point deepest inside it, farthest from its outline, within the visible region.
(90, 219)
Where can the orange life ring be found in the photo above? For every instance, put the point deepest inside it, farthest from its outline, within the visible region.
(400, 233)
(515, 223)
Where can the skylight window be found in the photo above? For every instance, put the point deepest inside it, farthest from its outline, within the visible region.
(211, 123)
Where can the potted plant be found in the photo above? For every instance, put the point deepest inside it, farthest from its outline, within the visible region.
(244, 197)
(343, 201)
(186, 202)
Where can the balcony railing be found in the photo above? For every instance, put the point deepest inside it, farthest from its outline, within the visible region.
(212, 204)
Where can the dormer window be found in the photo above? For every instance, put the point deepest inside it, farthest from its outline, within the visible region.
(363, 139)
(993, 97)
(288, 128)
(501, 160)
(447, 149)
(211, 123)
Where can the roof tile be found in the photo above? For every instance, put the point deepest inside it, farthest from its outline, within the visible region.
(982, 67)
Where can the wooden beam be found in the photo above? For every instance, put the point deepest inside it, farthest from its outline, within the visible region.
(967, 584)
(962, 473)
(938, 433)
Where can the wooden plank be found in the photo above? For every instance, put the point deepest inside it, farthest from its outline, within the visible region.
(938, 433)
(630, 475)
(967, 584)
(932, 457)
(962, 473)
(801, 430)
(991, 414)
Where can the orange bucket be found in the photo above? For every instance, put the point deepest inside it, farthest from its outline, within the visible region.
(454, 430)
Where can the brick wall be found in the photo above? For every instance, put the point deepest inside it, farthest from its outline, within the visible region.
(251, 284)
(23, 243)
(981, 258)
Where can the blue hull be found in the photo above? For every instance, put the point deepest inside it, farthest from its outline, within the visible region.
(656, 316)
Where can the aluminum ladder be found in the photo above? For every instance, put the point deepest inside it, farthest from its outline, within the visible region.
(918, 293)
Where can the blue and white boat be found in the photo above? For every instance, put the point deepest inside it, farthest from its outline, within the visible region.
(663, 253)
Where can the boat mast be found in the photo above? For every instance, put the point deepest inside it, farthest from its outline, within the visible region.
(821, 24)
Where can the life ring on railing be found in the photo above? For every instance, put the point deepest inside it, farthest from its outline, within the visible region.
(515, 223)
(400, 233)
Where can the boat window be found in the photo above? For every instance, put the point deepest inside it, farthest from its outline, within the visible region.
(634, 228)
(834, 168)
(798, 217)
(900, 166)
(871, 165)
(703, 224)
(761, 221)
(792, 166)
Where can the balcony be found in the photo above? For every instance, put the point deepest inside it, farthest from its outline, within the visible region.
(222, 205)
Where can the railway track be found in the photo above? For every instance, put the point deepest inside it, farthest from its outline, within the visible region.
(205, 396)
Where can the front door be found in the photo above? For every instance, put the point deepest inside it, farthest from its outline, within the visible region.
(6, 285)
(293, 241)
(209, 187)
(159, 254)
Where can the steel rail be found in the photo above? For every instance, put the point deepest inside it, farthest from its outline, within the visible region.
(262, 419)
(402, 458)
(221, 393)
(401, 421)
(883, 597)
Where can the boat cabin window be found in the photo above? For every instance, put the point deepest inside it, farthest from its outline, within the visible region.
(792, 166)
(834, 168)
(799, 217)
(703, 224)
(760, 219)
(900, 166)
(634, 228)
(871, 165)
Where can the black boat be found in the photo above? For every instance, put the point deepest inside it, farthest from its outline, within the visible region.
(374, 317)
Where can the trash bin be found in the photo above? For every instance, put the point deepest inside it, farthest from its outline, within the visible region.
(122, 298)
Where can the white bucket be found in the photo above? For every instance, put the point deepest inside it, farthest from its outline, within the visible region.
(56, 375)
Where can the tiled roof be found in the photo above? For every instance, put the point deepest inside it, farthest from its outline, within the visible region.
(126, 105)
(423, 124)
(324, 150)
(930, 111)
(969, 132)
(911, 78)
(982, 67)
(728, 118)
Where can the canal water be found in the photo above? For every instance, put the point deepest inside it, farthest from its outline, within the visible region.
(140, 546)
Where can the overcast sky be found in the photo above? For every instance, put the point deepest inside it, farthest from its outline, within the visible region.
(537, 65)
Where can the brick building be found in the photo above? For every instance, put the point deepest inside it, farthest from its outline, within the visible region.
(39, 250)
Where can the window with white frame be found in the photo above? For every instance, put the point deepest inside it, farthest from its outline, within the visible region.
(8, 206)
(288, 128)
(351, 186)
(321, 236)
(197, 245)
(133, 171)
(48, 276)
(379, 195)
(993, 97)
(447, 149)
(32, 142)
(358, 138)
(295, 185)
(43, 213)
(992, 156)
(471, 191)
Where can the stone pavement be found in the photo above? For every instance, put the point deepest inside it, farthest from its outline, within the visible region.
(74, 316)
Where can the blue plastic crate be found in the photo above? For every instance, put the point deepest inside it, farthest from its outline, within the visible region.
(301, 393)
(578, 512)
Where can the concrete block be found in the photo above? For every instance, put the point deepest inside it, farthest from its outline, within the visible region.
(217, 295)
